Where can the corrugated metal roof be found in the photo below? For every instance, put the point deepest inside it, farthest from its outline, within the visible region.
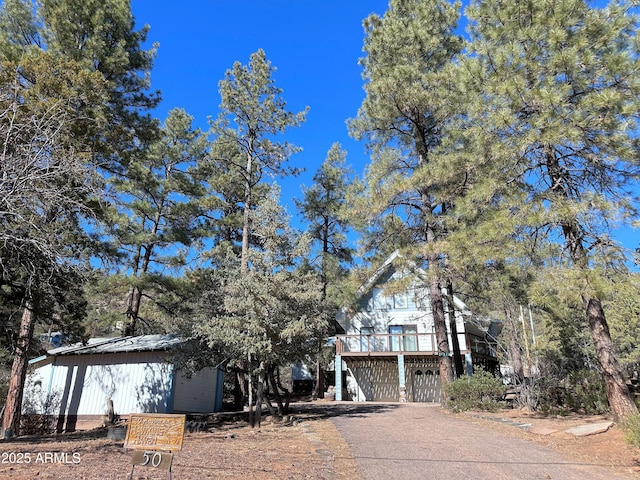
(141, 343)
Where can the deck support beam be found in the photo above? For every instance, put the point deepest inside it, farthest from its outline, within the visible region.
(401, 377)
(338, 369)
(468, 363)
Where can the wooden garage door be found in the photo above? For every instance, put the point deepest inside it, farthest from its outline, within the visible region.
(427, 386)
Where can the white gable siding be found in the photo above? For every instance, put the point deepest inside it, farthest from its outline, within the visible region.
(379, 311)
(380, 314)
(196, 394)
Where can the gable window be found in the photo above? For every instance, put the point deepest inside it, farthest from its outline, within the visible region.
(411, 298)
(403, 338)
(400, 300)
(380, 300)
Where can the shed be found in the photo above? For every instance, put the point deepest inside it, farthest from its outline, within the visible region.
(136, 373)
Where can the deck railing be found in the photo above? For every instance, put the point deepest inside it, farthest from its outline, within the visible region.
(383, 343)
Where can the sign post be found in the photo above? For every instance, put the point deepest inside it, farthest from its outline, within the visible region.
(154, 436)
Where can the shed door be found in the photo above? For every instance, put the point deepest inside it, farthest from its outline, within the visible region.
(427, 386)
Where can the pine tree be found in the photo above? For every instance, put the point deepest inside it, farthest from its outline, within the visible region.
(74, 81)
(271, 313)
(49, 193)
(323, 206)
(98, 36)
(252, 113)
(557, 97)
(402, 118)
(157, 218)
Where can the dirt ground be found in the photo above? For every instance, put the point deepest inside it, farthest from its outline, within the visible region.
(302, 446)
(608, 448)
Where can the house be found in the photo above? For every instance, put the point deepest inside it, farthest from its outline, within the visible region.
(389, 351)
(301, 379)
(137, 374)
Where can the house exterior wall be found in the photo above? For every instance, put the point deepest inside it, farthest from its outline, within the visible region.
(137, 382)
(378, 312)
(370, 347)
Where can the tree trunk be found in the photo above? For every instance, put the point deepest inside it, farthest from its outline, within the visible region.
(620, 399)
(514, 347)
(286, 392)
(133, 310)
(260, 394)
(455, 343)
(13, 405)
(246, 213)
(318, 392)
(276, 392)
(133, 305)
(250, 393)
(439, 322)
(433, 265)
(240, 394)
(244, 259)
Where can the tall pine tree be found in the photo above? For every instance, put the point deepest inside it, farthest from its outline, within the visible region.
(252, 115)
(557, 98)
(323, 206)
(158, 208)
(402, 118)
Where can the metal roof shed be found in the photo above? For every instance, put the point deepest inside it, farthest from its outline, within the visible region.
(136, 373)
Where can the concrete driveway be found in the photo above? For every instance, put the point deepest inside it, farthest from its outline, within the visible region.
(418, 441)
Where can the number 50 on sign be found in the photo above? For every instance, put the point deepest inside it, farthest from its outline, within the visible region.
(154, 459)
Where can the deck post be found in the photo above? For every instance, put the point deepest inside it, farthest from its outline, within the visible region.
(403, 387)
(338, 369)
(468, 360)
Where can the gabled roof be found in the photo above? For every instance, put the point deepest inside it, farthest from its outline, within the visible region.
(419, 272)
(141, 343)
(368, 285)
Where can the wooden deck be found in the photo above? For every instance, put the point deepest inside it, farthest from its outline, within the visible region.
(387, 345)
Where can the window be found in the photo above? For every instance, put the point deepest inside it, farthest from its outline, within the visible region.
(378, 299)
(411, 299)
(366, 342)
(421, 298)
(400, 300)
(403, 338)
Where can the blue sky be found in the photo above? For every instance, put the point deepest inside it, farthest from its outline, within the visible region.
(314, 44)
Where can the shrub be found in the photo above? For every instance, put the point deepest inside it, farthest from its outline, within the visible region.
(581, 391)
(587, 392)
(38, 410)
(480, 391)
(630, 426)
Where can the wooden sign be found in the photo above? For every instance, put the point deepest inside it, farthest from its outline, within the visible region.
(152, 458)
(155, 431)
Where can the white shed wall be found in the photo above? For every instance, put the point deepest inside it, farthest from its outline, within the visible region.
(196, 394)
(137, 382)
